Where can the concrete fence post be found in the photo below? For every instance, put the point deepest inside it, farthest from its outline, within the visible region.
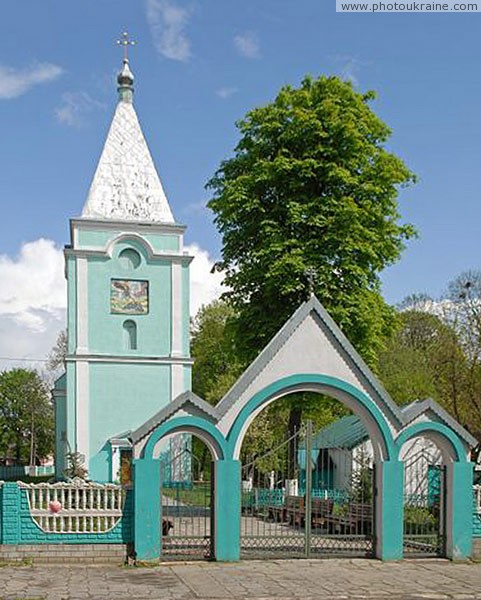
(10, 506)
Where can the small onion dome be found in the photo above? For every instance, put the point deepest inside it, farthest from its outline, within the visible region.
(125, 78)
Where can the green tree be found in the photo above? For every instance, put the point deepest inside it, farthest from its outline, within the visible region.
(462, 311)
(216, 364)
(435, 356)
(26, 417)
(311, 187)
(415, 362)
(213, 349)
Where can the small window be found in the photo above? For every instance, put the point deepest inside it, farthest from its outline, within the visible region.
(129, 259)
(130, 335)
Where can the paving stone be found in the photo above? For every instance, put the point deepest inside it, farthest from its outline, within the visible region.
(255, 580)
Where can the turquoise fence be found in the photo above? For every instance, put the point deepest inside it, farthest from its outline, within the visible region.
(22, 523)
(18, 472)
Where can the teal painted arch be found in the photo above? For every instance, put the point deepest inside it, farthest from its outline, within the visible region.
(363, 406)
(130, 240)
(443, 436)
(197, 426)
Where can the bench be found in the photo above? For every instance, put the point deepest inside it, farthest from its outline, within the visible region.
(356, 519)
(321, 510)
(294, 511)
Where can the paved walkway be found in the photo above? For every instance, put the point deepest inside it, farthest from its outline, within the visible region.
(253, 580)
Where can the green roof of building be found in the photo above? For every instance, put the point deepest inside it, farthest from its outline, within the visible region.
(347, 432)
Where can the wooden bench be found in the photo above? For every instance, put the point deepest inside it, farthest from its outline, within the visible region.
(276, 513)
(321, 510)
(295, 512)
(356, 519)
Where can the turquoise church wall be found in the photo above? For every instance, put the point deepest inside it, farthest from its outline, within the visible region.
(119, 388)
(100, 239)
(121, 395)
(18, 527)
(105, 332)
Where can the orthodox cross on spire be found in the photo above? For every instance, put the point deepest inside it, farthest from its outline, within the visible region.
(125, 78)
(125, 42)
(311, 275)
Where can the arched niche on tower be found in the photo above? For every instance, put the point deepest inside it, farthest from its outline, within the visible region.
(126, 244)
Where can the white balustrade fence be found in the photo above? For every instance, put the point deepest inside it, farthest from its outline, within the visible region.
(75, 507)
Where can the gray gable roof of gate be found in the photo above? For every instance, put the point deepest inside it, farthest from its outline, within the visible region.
(180, 403)
(193, 404)
(421, 407)
(338, 339)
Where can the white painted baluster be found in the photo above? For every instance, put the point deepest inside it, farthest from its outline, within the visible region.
(77, 508)
(55, 499)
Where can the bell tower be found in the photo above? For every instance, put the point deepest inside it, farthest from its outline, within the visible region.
(128, 300)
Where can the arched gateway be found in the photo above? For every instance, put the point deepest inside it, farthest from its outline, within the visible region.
(310, 354)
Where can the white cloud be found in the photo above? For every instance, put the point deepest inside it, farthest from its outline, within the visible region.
(15, 82)
(350, 71)
(32, 302)
(247, 44)
(167, 23)
(226, 92)
(350, 67)
(33, 298)
(33, 284)
(75, 105)
(204, 285)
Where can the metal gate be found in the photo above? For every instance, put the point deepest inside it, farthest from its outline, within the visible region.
(310, 496)
(187, 516)
(424, 506)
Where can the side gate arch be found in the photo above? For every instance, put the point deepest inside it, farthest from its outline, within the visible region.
(380, 434)
(309, 353)
(458, 480)
(147, 476)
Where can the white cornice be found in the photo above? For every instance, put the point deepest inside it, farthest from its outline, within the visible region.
(134, 226)
(163, 360)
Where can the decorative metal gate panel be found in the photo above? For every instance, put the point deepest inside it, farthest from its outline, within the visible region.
(308, 497)
(424, 491)
(187, 517)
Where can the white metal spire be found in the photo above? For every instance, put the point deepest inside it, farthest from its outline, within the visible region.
(126, 185)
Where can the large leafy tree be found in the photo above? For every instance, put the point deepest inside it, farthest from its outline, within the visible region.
(213, 349)
(26, 417)
(216, 365)
(311, 186)
(436, 352)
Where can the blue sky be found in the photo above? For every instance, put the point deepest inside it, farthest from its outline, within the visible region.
(199, 66)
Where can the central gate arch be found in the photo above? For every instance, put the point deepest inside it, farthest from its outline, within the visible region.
(353, 398)
(309, 353)
(383, 446)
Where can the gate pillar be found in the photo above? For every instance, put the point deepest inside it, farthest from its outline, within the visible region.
(459, 510)
(227, 510)
(147, 508)
(389, 510)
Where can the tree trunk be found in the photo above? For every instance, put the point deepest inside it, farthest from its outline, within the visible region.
(31, 461)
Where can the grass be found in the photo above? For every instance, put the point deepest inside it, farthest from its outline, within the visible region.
(197, 495)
